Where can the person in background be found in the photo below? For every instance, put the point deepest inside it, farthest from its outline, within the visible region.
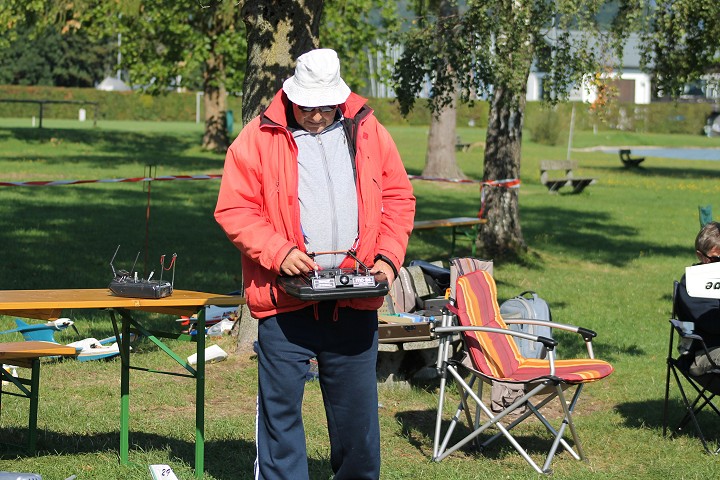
(703, 312)
(315, 172)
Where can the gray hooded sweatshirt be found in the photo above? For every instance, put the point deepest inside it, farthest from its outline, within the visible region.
(327, 193)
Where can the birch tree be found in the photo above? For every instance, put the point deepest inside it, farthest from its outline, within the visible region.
(490, 49)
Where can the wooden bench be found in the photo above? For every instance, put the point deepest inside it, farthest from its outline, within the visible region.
(460, 146)
(465, 225)
(555, 183)
(629, 161)
(28, 355)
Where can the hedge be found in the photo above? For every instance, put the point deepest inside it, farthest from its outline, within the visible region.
(661, 117)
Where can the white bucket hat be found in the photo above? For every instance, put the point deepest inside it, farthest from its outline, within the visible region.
(317, 80)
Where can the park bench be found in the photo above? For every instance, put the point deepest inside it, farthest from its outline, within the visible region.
(554, 183)
(465, 225)
(629, 161)
(461, 146)
(28, 355)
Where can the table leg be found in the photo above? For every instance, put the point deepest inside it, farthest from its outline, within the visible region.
(471, 233)
(34, 397)
(473, 247)
(200, 397)
(452, 242)
(124, 343)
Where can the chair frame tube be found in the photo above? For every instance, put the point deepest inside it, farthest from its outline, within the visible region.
(444, 366)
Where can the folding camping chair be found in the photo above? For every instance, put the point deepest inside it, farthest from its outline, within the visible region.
(706, 387)
(493, 356)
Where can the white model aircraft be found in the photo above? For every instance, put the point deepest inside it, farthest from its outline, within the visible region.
(88, 348)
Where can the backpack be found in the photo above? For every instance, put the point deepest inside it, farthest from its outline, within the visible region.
(436, 275)
(413, 288)
(460, 266)
(402, 293)
(530, 306)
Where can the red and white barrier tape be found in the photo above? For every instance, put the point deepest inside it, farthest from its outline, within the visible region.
(506, 183)
(109, 180)
(52, 183)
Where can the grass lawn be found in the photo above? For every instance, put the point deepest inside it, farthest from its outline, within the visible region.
(604, 259)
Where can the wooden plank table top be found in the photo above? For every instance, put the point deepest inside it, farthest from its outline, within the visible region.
(10, 350)
(22, 353)
(448, 222)
(49, 304)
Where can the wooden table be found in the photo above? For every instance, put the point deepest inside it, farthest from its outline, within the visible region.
(469, 225)
(49, 304)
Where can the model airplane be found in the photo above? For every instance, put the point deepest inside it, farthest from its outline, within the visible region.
(218, 321)
(42, 332)
(88, 349)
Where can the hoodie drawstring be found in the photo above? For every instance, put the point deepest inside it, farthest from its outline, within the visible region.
(335, 314)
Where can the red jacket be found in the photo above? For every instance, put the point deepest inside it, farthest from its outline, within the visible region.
(258, 202)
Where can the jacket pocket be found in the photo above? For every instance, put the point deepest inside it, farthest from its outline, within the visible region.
(273, 297)
(373, 206)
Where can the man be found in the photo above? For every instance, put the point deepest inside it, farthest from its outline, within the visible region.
(315, 172)
(703, 312)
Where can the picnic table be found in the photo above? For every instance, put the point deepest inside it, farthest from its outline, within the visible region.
(627, 160)
(49, 304)
(554, 182)
(41, 104)
(468, 226)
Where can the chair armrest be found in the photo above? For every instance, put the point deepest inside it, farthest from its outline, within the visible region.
(586, 333)
(548, 342)
(684, 331)
(683, 328)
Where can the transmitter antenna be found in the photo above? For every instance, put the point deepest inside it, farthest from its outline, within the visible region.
(113, 259)
(135, 262)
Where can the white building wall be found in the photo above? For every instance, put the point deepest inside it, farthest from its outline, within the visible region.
(588, 94)
(643, 93)
(534, 84)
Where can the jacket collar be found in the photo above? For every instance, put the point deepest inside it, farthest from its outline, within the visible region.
(275, 113)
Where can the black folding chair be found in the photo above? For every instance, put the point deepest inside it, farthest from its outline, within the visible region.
(697, 392)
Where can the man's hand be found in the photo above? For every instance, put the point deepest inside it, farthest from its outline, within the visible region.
(297, 262)
(383, 271)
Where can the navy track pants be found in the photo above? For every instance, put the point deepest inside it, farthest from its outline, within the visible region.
(344, 341)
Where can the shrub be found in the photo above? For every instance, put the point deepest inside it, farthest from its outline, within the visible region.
(544, 126)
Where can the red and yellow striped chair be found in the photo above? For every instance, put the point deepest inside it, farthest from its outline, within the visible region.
(494, 356)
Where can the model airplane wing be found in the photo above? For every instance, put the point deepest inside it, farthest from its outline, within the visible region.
(40, 332)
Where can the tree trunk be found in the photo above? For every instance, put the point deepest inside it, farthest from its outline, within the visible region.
(501, 236)
(245, 332)
(215, 99)
(216, 136)
(440, 159)
(278, 32)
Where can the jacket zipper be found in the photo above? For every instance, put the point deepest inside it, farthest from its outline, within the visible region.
(331, 199)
